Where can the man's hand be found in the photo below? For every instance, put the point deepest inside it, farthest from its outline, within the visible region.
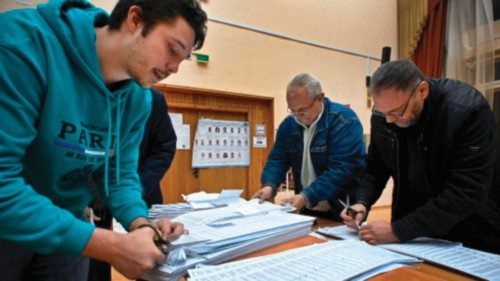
(353, 216)
(377, 232)
(170, 230)
(297, 201)
(132, 254)
(264, 193)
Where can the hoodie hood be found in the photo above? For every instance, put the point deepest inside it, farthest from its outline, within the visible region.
(73, 25)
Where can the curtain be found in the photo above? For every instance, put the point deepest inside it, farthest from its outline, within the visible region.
(412, 16)
(429, 53)
(470, 44)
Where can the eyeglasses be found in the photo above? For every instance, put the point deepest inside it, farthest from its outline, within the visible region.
(303, 110)
(397, 114)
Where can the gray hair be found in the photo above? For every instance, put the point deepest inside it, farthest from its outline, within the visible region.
(307, 81)
(398, 75)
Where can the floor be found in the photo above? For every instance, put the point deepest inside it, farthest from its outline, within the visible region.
(377, 213)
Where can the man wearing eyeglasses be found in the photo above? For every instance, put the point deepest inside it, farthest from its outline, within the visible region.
(73, 105)
(322, 142)
(436, 139)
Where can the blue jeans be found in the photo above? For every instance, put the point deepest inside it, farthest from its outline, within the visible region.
(19, 263)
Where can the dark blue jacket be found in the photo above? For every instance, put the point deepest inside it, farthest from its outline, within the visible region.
(337, 153)
(157, 149)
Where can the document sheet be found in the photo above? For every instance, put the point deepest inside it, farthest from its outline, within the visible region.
(340, 232)
(449, 254)
(445, 253)
(334, 260)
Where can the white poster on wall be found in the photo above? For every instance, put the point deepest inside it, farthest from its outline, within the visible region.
(220, 143)
(181, 131)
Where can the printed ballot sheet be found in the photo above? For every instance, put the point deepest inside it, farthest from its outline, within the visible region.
(445, 253)
(334, 260)
(340, 232)
(450, 254)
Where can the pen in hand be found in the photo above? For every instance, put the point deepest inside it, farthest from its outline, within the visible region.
(351, 212)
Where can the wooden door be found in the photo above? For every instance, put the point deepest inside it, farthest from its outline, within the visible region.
(195, 104)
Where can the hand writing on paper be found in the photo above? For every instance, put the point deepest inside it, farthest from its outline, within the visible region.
(264, 193)
(377, 232)
(353, 216)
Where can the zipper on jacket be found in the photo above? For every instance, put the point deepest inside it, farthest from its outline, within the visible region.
(395, 142)
(424, 148)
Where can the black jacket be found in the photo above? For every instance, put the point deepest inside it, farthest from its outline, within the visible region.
(442, 169)
(157, 149)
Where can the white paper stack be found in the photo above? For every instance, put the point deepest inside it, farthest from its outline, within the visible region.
(233, 231)
(169, 211)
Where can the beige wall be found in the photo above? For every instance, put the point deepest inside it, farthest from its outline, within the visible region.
(247, 62)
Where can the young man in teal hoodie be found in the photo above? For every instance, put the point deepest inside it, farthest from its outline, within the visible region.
(73, 105)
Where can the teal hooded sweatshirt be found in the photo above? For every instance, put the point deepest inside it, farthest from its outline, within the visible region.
(62, 129)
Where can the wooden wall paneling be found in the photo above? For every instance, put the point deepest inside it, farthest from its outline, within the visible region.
(180, 179)
(195, 103)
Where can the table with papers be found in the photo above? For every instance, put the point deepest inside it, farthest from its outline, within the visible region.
(418, 271)
(243, 231)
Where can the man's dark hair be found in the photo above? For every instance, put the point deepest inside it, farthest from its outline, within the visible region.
(398, 75)
(156, 11)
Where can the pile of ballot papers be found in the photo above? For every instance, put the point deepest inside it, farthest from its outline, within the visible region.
(196, 201)
(230, 232)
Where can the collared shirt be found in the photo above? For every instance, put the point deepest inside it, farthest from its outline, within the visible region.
(307, 174)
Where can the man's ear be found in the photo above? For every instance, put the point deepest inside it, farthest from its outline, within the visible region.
(423, 90)
(134, 21)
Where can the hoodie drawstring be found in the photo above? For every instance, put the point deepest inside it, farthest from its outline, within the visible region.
(116, 150)
(117, 140)
(108, 145)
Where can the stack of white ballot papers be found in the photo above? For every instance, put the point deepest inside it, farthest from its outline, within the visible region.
(232, 232)
(196, 201)
(170, 211)
(452, 255)
(334, 260)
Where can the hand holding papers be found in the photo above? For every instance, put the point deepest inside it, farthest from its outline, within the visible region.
(263, 194)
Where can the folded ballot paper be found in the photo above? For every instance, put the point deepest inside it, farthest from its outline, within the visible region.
(232, 231)
(203, 200)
